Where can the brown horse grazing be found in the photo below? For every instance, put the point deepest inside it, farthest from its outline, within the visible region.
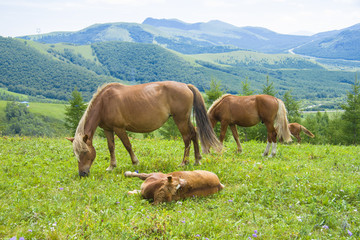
(247, 111)
(176, 185)
(296, 128)
(142, 108)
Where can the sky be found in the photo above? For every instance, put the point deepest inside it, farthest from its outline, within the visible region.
(29, 17)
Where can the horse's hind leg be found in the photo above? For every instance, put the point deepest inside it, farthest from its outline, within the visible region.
(195, 140)
(271, 140)
(183, 126)
(236, 137)
(111, 145)
(121, 133)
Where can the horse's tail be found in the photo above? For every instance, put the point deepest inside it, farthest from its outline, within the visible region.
(307, 132)
(281, 123)
(207, 135)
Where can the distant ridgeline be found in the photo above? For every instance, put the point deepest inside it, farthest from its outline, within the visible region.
(55, 69)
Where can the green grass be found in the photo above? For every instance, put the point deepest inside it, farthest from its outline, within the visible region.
(84, 50)
(306, 192)
(52, 110)
(23, 97)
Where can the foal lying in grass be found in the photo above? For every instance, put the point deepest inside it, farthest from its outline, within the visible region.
(176, 185)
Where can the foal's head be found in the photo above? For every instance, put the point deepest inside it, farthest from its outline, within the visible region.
(84, 152)
(169, 189)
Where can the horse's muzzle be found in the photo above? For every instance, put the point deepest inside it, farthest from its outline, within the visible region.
(84, 174)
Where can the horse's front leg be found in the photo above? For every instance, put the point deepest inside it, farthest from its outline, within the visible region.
(111, 145)
(236, 137)
(223, 129)
(121, 133)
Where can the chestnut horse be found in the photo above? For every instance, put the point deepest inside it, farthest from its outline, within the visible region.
(176, 185)
(142, 108)
(247, 111)
(296, 128)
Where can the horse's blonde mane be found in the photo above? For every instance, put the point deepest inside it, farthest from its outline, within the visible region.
(217, 101)
(78, 144)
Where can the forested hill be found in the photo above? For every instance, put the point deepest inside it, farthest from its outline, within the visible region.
(54, 70)
(25, 70)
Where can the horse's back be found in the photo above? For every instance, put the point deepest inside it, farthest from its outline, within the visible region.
(144, 107)
(198, 179)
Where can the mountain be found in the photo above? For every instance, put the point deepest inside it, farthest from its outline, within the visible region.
(211, 37)
(340, 44)
(55, 70)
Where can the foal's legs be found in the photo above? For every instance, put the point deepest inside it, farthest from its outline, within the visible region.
(142, 176)
(121, 133)
(236, 137)
(111, 145)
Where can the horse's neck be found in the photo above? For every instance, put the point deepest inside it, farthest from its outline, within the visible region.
(92, 121)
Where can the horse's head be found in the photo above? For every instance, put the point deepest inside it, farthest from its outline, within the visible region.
(168, 190)
(85, 153)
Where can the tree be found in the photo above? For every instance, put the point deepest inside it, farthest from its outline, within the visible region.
(246, 88)
(292, 107)
(352, 113)
(214, 92)
(269, 88)
(74, 111)
(169, 130)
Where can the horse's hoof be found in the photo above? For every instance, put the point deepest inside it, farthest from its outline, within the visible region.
(110, 168)
(197, 163)
(127, 173)
(183, 164)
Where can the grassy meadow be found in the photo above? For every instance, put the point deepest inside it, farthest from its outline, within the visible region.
(305, 192)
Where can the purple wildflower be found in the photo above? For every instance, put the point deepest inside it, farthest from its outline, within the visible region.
(61, 188)
(325, 227)
(256, 231)
(254, 235)
(197, 235)
(21, 238)
(13, 238)
(230, 200)
(350, 233)
(29, 230)
(136, 171)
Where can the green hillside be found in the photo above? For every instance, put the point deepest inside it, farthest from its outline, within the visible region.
(26, 70)
(54, 70)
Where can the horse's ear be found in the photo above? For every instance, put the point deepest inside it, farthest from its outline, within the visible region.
(71, 139)
(169, 178)
(85, 138)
